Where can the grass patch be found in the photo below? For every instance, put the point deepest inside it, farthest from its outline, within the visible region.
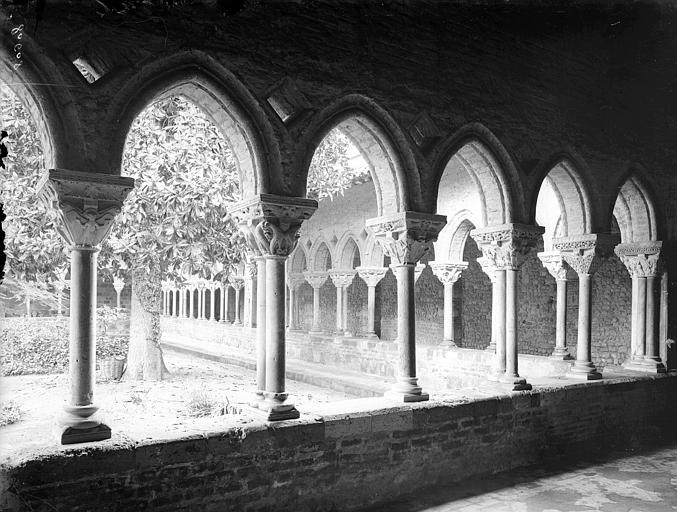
(10, 412)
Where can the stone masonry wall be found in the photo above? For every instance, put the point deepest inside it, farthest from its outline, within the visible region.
(475, 296)
(365, 452)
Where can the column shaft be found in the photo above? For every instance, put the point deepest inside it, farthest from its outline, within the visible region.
(371, 310)
(641, 317)
(495, 312)
(344, 311)
(316, 309)
(449, 312)
(561, 326)
(406, 388)
(292, 307)
(212, 308)
(500, 321)
(583, 366)
(339, 310)
(222, 304)
(237, 320)
(261, 325)
(511, 335)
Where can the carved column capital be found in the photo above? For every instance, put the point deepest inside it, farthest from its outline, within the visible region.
(554, 264)
(295, 280)
(342, 278)
(488, 267)
(507, 245)
(585, 253)
(86, 203)
(316, 279)
(270, 223)
(236, 282)
(406, 236)
(372, 275)
(448, 272)
(642, 259)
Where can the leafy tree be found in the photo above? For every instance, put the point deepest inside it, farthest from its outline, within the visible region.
(33, 247)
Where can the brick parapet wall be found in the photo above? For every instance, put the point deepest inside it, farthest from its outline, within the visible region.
(346, 456)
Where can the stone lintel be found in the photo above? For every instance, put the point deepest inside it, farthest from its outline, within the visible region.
(406, 236)
(642, 259)
(507, 245)
(585, 253)
(448, 272)
(372, 275)
(316, 278)
(86, 203)
(271, 223)
(342, 277)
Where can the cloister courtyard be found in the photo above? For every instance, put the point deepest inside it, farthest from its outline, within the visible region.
(334, 255)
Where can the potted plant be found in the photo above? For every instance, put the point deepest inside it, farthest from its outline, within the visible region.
(111, 349)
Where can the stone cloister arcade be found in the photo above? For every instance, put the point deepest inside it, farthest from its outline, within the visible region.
(470, 209)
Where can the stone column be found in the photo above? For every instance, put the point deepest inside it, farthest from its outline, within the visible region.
(506, 247)
(406, 237)
(260, 326)
(237, 283)
(342, 280)
(643, 261)
(227, 301)
(270, 225)
(554, 264)
(250, 294)
(86, 205)
(118, 284)
(212, 300)
(316, 280)
(189, 302)
(59, 287)
(201, 300)
(182, 301)
(584, 253)
(222, 303)
(497, 305)
(294, 281)
(448, 274)
(372, 276)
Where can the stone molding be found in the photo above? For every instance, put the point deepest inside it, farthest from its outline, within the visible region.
(342, 278)
(86, 203)
(585, 253)
(316, 279)
(406, 236)
(641, 259)
(554, 264)
(271, 223)
(448, 272)
(507, 246)
(372, 275)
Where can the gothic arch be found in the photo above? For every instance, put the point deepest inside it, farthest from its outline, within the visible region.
(635, 211)
(346, 250)
(223, 98)
(473, 157)
(51, 108)
(320, 257)
(299, 261)
(373, 254)
(381, 142)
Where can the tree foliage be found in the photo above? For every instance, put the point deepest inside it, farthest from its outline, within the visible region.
(176, 215)
(33, 247)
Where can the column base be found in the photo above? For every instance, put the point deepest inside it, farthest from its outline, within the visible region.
(514, 382)
(401, 396)
(274, 408)
(222, 321)
(652, 365)
(448, 344)
(237, 323)
(78, 424)
(371, 336)
(73, 435)
(491, 347)
(561, 354)
(584, 370)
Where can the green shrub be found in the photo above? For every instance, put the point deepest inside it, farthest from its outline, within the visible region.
(34, 345)
(10, 412)
(40, 345)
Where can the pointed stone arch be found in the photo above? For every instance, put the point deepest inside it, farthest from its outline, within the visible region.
(51, 108)
(221, 96)
(321, 257)
(451, 241)
(635, 211)
(474, 171)
(381, 143)
(298, 261)
(564, 185)
(346, 251)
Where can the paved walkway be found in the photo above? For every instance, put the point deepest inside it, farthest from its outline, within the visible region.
(630, 483)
